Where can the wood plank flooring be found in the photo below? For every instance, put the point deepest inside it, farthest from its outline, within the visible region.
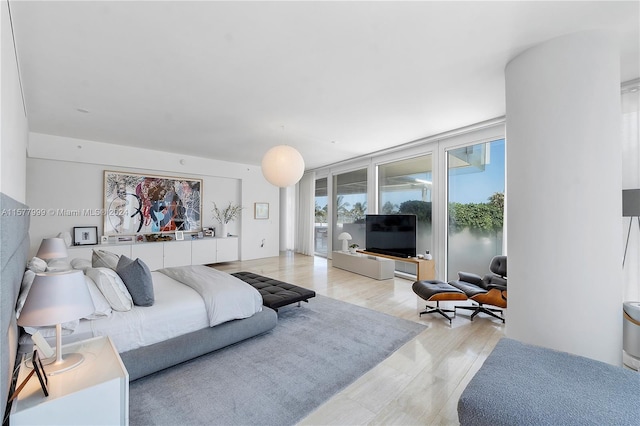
(420, 383)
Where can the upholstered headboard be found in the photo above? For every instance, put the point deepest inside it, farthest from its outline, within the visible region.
(14, 249)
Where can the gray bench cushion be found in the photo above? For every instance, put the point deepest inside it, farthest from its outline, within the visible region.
(522, 384)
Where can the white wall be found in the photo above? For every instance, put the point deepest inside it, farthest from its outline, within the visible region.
(68, 174)
(13, 123)
(564, 196)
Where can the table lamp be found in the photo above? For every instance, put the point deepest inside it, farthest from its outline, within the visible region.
(345, 237)
(54, 298)
(52, 248)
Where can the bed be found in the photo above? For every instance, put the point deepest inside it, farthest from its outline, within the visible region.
(149, 338)
(196, 310)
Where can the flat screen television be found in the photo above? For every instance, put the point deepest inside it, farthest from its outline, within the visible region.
(391, 234)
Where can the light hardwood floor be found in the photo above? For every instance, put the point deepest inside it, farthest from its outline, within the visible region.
(421, 382)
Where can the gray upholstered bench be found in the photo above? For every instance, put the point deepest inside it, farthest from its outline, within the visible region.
(275, 293)
(522, 384)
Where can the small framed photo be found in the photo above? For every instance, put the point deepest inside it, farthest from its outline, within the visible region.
(261, 210)
(85, 235)
(179, 235)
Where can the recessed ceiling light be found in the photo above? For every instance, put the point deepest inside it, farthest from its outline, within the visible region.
(84, 111)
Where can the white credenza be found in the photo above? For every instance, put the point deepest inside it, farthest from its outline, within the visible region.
(158, 255)
(96, 392)
(369, 266)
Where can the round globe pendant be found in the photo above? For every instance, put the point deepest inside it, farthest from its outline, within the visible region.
(282, 166)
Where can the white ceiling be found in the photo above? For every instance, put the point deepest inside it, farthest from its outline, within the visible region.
(336, 80)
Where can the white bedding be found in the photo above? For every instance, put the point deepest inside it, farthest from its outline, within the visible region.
(226, 297)
(216, 297)
(143, 326)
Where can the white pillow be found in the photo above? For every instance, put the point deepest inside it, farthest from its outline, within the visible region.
(112, 288)
(81, 264)
(104, 259)
(103, 308)
(37, 265)
(58, 265)
(27, 280)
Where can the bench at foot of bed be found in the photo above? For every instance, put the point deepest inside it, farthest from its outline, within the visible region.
(275, 293)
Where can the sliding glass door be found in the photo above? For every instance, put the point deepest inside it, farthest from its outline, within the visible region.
(350, 206)
(476, 187)
(406, 187)
(321, 232)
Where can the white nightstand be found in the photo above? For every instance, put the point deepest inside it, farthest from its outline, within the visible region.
(94, 393)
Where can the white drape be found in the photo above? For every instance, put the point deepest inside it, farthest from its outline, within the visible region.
(305, 214)
(631, 180)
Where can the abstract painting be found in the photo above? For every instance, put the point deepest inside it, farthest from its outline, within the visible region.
(142, 204)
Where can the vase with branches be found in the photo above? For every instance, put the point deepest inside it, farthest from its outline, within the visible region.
(226, 215)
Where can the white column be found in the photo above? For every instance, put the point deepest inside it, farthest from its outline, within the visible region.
(564, 196)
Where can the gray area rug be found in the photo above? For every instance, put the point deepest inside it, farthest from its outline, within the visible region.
(277, 378)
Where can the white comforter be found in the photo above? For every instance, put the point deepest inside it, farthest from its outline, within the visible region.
(226, 297)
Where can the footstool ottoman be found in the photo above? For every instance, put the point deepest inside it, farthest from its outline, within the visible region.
(275, 293)
(435, 291)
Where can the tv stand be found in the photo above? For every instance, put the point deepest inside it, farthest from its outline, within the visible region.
(425, 269)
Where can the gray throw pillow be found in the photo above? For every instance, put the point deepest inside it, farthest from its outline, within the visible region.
(137, 278)
(104, 259)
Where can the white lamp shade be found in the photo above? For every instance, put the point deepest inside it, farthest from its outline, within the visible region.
(345, 236)
(55, 298)
(52, 248)
(282, 166)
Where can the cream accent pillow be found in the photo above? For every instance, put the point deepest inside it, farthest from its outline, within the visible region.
(37, 265)
(112, 288)
(101, 304)
(81, 264)
(104, 259)
(58, 265)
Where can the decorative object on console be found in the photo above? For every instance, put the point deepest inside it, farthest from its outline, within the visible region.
(261, 210)
(282, 166)
(85, 235)
(142, 204)
(352, 248)
(630, 209)
(345, 237)
(226, 215)
(179, 236)
(66, 236)
(55, 298)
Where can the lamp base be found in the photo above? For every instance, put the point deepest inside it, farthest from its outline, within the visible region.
(68, 362)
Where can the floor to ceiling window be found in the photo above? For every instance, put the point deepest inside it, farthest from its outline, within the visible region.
(406, 187)
(350, 206)
(476, 187)
(321, 233)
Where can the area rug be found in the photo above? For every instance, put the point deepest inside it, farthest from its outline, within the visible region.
(277, 378)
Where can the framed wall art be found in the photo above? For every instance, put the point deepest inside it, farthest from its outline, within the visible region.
(261, 211)
(85, 235)
(145, 204)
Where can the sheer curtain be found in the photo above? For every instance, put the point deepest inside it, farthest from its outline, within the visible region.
(305, 214)
(631, 180)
